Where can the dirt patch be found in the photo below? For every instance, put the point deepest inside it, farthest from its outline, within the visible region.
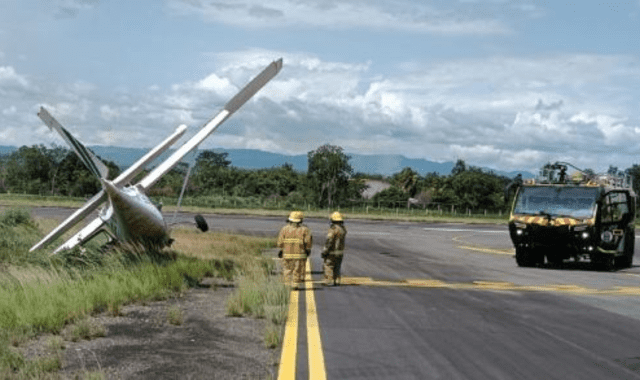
(143, 344)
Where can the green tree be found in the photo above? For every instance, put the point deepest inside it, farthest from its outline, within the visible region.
(407, 180)
(39, 170)
(459, 167)
(213, 159)
(75, 179)
(390, 197)
(278, 181)
(55, 155)
(328, 175)
(475, 189)
(171, 183)
(211, 172)
(634, 172)
(28, 170)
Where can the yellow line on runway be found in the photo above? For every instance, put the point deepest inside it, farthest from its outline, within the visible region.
(458, 239)
(488, 250)
(287, 369)
(317, 369)
(494, 285)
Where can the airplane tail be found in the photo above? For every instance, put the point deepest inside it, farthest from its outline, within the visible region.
(97, 167)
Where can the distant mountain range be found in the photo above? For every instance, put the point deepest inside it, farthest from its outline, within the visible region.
(256, 159)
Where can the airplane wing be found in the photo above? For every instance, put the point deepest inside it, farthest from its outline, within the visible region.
(232, 106)
(142, 163)
(85, 234)
(71, 221)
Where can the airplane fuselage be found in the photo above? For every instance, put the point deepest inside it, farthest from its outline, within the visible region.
(132, 216)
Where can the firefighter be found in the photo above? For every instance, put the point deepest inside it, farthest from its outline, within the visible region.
(294, 241)
(334, 250)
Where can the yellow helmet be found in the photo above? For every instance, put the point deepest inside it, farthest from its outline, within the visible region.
(296, 216)
(336, 217)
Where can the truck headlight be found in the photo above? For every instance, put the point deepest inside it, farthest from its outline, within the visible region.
(585, 235)
(607, 236)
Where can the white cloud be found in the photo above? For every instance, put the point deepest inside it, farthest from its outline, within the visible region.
(71, 8)
(8, 75)
(108, 113)
(502, 112)
(218, 85)
(340, 14)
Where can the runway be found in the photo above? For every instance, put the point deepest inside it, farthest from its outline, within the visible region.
(426, 301)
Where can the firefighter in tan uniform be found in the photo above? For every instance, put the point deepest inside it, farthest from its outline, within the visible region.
(294, 241)
(334, 250)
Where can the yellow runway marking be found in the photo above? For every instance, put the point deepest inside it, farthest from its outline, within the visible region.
(317, 370)
(489, 250)
(458, 239)
(316, 357)
(287, 369)
(493, 286)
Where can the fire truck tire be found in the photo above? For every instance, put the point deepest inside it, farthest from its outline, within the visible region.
(554, 259)
(526, 257)
(606, 263)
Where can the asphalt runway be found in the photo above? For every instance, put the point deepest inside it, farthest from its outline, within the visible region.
(428, 301)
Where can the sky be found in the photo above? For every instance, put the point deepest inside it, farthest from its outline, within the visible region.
(503, 84)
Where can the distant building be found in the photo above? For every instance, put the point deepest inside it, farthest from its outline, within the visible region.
(374, 187)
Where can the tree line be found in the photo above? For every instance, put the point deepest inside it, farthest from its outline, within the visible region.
(330, 181)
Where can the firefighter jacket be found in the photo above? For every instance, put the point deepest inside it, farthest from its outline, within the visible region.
(295, 241)
(335, 240)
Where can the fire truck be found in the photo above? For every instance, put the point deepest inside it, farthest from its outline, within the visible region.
(575, 215)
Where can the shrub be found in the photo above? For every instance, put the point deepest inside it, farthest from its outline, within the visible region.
(175, 316)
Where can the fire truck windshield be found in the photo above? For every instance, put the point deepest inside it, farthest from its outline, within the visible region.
(574, 202)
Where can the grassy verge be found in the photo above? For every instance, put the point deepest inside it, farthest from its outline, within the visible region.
(28, 200)
(258, 293)
(42, 294)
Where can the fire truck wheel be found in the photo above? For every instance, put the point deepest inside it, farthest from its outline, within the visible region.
(526, 257)
(554, 259)
(606, 263)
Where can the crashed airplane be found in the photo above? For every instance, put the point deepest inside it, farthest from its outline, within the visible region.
(130, 216)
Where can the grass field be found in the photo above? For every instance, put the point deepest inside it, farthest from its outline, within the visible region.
(42, 294)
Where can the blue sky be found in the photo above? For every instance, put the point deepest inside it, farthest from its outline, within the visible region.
(506, 84)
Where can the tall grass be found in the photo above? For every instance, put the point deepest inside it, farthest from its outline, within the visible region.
(44, 300)
(39, 293)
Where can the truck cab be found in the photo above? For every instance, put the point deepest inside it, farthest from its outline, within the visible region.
(581, 216)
